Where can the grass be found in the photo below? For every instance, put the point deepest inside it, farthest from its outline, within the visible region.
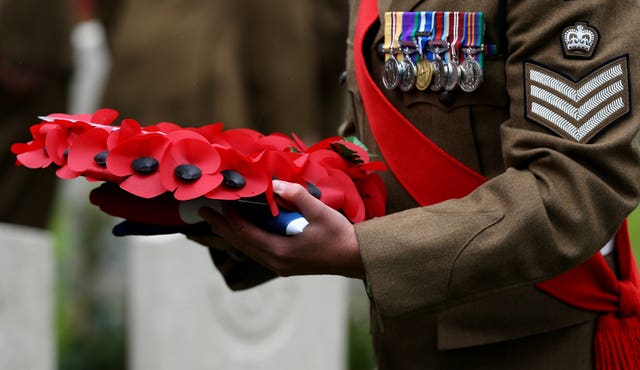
(634, 231)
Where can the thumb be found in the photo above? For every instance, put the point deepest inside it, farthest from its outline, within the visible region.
(308, 205)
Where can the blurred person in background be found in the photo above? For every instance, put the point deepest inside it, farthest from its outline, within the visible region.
(261, 65)
(35, 68)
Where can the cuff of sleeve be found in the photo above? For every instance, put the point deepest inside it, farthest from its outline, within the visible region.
(409, 256)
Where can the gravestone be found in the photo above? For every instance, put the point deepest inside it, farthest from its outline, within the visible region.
(182, 315)
(26, 301)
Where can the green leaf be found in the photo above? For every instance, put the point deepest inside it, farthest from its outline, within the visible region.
(346, 153)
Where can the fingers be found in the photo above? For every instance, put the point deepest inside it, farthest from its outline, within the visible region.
(239, 233)
(307, 204)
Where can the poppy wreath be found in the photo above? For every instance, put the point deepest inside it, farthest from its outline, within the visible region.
(156, 177)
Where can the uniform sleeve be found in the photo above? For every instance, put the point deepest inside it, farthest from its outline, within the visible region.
(573, 167)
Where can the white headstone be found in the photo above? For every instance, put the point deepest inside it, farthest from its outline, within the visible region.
(183, 316)
(26, 301)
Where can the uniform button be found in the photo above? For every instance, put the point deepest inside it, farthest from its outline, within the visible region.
(343, 78)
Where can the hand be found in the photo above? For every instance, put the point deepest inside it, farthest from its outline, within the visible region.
(328, 245)
(155, 216)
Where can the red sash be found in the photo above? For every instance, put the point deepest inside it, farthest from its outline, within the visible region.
(591, 285)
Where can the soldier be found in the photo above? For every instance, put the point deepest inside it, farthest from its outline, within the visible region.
(35, 66)
(507, 173)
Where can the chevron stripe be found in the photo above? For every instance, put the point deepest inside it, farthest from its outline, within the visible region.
(551, 116)
(578, 132)
(602, 115)
(577, 109)
(576, 95)
(599, 98)
(580, 111)
(599, 80)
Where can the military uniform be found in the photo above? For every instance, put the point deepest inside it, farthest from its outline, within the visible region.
(549, 135)
(452, 285)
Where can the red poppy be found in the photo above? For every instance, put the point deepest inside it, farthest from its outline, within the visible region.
(242, 177)
(277, 142)
(279, 165)
(352, 204)
(59, 136)
(212, 132)
(54, 136)
(206, 161)
(243, 140)
(128, 128)
(50, 144)
(373, 193)
(138, 159)
(328, 159)
(33, 154)
(190, 166)
(332, 186)
(104, 116)
(165, 127)
(88, 155)
(300, 145)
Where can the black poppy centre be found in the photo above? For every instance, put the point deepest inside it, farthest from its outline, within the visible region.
(145, 165)
(101, 158)
(187, 173)
(233, 179)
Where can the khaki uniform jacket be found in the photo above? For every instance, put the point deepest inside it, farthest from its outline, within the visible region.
(452, 285)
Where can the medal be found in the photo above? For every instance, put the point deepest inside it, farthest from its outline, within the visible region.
(438, 46)
(471, 75)
(392, 73)
(424, 74)
(424, 68)
(393, 68)
(452, 75)
(439, 72)
(410, 23)
(409, 73)
(436, 50)
(456, 31)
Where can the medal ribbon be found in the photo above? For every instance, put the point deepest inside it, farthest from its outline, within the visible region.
(426, 21)
(442, 24)
(473, 34)
(396, 33)
(392, 33)
(456, 29)
(388, 34)
(410, 24)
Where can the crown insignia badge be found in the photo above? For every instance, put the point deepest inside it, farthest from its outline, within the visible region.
(580, 40)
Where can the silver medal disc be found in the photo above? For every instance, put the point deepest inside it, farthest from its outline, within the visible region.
(471, 75)
(409, 75)
(439, 77)
(453, 75)
(392, 73)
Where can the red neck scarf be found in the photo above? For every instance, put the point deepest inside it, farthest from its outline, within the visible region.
(591, 285)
